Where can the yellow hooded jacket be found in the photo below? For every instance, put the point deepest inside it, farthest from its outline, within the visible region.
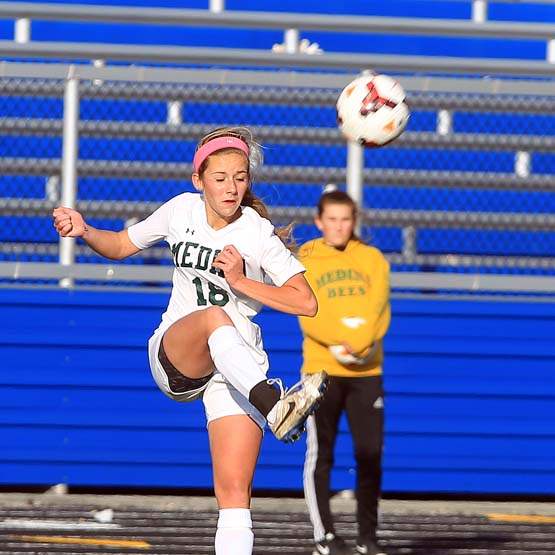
(352, 288)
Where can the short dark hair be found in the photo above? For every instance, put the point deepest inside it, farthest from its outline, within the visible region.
(336, 197)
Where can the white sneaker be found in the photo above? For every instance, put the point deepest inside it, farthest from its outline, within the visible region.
(287, 419)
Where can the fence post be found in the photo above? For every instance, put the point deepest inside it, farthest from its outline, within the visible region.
(550, 51)
(409, 244)
(175, 112)
(355, 168)
(479, 11)
(522, 163)
(70, 148)
(52, 188)
(22, 30)
(444, 124)
(291, 41)
(98, 63)
(217, 6)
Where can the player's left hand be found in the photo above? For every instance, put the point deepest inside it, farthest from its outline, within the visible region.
(230, 262)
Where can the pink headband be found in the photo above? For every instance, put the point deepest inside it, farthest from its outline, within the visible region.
(219, 143)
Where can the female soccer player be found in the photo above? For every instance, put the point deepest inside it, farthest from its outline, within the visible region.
(223, 247)
(351, 281)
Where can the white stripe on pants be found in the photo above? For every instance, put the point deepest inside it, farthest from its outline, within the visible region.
(311, 457)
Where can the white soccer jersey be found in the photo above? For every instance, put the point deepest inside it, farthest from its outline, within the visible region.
(194, 244)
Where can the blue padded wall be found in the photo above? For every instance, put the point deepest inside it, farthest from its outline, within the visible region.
(469, 407)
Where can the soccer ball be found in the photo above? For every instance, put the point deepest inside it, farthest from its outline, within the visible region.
(372, 111)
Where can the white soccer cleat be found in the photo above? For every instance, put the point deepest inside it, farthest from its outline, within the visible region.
(295, 405)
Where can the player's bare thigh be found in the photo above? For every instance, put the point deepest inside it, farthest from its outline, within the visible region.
(234, 445)
(186, 341)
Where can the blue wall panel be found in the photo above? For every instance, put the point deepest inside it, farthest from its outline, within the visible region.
(470, 397)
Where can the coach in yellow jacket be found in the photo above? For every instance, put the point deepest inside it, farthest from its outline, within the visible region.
(351, 282)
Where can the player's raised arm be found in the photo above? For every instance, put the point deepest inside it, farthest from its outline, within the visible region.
(111, 244)
(294, 296)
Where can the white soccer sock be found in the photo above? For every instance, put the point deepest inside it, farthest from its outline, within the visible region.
(232, 359)
(272, 415)
(234, 534)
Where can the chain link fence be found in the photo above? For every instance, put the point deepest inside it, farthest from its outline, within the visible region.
(469, 187)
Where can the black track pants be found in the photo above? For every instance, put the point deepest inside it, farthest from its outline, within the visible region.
(362, 399)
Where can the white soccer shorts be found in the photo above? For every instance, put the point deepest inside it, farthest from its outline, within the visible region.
(220, 398)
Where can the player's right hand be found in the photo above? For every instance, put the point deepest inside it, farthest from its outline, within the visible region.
(68, 222)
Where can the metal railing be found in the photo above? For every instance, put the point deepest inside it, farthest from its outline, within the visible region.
(166, 86)
(276, 20)
(324, 136)
(487, 94)
(406, 281)
(182, 55)
(22, 47)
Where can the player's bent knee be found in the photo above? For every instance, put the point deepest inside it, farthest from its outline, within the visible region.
(216, 316)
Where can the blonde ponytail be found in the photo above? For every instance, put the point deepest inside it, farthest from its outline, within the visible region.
(285, 233)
